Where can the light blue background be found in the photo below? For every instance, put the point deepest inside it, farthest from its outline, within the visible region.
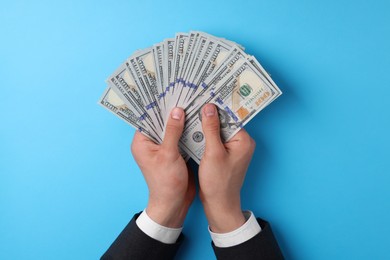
(320, 174)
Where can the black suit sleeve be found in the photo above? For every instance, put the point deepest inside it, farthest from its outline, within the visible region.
(132, 243)
(261, 246)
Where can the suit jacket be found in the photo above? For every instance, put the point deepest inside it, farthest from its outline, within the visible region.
(132, 243)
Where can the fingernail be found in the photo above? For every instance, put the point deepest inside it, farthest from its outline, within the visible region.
(209, 110)
(177, 113)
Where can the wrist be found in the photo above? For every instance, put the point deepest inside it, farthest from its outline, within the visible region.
(168, 216)
(223, 219)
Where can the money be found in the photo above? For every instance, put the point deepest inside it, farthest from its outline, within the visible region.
(188, 71)
(113, 103)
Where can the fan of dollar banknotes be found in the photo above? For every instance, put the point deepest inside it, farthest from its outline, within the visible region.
(188, 71)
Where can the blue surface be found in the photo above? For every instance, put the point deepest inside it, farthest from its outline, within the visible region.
(320, 175)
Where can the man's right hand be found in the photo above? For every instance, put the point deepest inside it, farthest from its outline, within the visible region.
(222, 172)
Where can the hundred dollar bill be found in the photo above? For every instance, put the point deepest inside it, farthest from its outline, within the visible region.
(169, 60)
(239, 96)
(235, 59)
(221, 52)
(181, 43)
(113, 103)
(206, 64)
(168, 52)
(226, 41)
(180, 83)
(147, 69)
(192, 69)
(138, 112)
(189, 51)
(141, 69)
(273, 85)
(158, 54)
(200, 69)
(124, 86)
(218, 53)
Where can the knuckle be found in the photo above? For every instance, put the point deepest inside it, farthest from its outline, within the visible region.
(245, 137)
(253, 144)
(247, 143)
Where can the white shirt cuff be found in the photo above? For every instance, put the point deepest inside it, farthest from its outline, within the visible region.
(250, 229)
(154, 230)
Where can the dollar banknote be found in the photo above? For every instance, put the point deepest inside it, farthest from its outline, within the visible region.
(113, 103)
(239, 97)
(187, 71)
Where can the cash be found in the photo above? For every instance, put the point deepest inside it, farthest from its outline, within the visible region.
(187, 71)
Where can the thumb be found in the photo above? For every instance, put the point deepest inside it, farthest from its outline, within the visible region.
(211, 127)
(174, 128)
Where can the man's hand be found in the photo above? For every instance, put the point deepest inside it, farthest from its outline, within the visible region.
(171, 184)
(221, 173)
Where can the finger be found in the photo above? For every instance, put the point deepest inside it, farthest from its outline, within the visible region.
(174, 129)
(211, 127)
